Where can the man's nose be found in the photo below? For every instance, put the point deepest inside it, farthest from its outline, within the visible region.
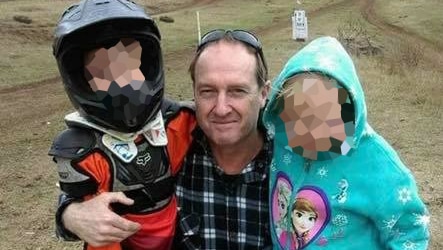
(222, 105)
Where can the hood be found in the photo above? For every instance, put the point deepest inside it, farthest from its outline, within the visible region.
(328, 57)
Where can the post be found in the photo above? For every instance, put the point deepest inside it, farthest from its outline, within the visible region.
(198, 26)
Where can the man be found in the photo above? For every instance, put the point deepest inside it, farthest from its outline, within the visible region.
(222, 188)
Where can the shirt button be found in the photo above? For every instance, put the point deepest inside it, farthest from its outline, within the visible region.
(233, 236)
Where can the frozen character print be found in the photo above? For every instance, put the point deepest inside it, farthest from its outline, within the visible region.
(304, 216)
(280, 204)
(310, 213)
(342, 195)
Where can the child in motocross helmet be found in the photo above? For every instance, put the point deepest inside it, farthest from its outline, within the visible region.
(110, 61)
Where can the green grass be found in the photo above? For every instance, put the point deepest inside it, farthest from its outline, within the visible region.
(29, 64)
(226, 14)
(182, 35)
(25, 61)
(25, 49)
(404, 14)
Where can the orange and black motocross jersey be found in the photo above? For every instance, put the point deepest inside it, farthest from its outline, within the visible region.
(88, 165)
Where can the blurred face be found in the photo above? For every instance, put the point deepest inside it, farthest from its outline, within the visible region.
(119, 63)
(227, 96)
(303, 221)
(312, 113)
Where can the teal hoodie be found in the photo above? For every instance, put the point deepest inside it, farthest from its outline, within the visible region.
(366, 199)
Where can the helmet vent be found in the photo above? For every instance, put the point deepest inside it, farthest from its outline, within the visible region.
(72, 7)
(100, 2)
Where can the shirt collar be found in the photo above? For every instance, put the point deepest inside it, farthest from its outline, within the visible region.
(256, 170)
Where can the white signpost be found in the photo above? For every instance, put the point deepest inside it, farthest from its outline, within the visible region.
(198, 27)
(299, 25)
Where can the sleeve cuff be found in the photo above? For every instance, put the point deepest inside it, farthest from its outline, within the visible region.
(60, 231)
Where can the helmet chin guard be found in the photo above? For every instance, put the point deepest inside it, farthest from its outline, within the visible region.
(91, 25)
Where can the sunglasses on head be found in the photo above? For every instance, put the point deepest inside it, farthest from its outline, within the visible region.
(239, 35)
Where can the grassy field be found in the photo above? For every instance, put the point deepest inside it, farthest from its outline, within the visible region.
(403, 14)
(403, 87)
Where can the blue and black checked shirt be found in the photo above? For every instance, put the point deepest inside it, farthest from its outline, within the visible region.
(218, 211)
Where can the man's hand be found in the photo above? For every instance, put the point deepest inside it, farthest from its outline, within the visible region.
(94, 222)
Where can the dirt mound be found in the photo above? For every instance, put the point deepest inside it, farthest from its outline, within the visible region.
(361, 46)
(27, 33)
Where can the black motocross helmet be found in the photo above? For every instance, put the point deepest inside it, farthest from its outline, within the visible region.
(92, 24)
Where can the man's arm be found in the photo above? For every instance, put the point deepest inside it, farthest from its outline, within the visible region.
(93, 221)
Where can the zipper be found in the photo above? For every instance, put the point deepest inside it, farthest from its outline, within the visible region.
(307, 165)
(297, 183)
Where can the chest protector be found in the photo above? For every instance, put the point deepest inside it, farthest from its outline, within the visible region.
(92, 159)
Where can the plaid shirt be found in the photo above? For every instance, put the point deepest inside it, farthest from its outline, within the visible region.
(219, 211)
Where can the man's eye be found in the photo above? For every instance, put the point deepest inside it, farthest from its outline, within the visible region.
(238, 92)
(206, 92)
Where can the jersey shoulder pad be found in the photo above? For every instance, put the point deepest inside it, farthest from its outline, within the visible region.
(171, 108)
(73, 143)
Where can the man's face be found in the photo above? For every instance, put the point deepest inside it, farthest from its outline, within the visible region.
(119, 63)
(227, 96)
(312, 113)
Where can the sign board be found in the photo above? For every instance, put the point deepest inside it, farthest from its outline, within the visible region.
(299, 25)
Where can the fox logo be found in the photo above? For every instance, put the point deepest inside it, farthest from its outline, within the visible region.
(142, 160)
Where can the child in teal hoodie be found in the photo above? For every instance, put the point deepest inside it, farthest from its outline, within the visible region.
(335, 183)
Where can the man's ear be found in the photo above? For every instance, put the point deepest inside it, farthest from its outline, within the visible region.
(264, 93)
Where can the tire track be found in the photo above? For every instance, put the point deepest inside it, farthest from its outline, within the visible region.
(174, 58)
(155, 13)
(433, 51)
(183, 7)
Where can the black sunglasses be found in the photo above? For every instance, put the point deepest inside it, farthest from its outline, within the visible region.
(240, 35)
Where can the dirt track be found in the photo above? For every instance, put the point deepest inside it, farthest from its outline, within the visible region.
(434, 51)
(26, 112)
